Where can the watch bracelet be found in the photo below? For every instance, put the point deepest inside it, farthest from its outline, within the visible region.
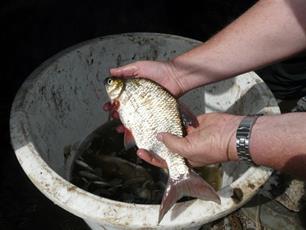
(243, 135)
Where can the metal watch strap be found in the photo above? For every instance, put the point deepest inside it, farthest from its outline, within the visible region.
(243, 138)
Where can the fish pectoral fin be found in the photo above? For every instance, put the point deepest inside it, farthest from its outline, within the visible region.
(193, 186)
(188, 118)
(129, 141)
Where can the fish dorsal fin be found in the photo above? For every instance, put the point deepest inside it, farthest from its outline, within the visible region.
(129, 141)
(188, 118)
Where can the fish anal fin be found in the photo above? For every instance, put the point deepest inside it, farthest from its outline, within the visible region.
(129, 141)
(193, 186)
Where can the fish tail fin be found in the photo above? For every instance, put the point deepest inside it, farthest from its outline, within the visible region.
(193, 186)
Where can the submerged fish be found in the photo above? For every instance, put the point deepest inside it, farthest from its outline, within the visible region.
(145, 109)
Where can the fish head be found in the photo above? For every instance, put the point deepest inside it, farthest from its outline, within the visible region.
(114, 87)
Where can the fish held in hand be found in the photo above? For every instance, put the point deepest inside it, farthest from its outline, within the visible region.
(146, 109)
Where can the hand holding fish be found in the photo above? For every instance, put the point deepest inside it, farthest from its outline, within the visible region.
(213, 141)
(164, 73)
(247, 44)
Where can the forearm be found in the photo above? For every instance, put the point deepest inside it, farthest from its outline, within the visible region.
(269, 31)
(279, 142)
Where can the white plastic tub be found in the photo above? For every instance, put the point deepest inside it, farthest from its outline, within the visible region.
(60, 104)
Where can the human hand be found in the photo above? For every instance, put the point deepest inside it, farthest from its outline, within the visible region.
(213, 141)
(164, 73)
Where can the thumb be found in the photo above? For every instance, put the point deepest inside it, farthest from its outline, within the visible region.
(175, 144)
(139, 68)
(129, 70)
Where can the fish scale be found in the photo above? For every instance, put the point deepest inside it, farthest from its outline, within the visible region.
(147, 115)
(146, 109)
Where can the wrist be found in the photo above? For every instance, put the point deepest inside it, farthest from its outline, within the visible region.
(243, 138)
(231, 150)
(190, 73)
(231, 146)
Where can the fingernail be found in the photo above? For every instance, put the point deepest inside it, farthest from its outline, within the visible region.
(139, 153)
(107, 106)
(120, 129)
(130, 67)
(114, 70)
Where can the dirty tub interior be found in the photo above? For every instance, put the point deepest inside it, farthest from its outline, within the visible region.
(60, 104)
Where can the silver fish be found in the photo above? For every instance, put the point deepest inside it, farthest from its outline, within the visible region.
(145, 109)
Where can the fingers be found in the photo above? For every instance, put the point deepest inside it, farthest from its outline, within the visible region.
(107, 106)
(151, 158)
(125, 71)
(174, 143)
(120, 129)
(111, 109)
(194, 163)
(115, 115)
(149, 69)
(180, 146)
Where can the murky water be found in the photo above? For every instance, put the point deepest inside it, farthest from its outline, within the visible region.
(103, 167)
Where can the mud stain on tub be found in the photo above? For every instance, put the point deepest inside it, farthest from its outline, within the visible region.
(237, 195)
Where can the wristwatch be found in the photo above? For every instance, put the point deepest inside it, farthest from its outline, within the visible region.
(243, 138)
